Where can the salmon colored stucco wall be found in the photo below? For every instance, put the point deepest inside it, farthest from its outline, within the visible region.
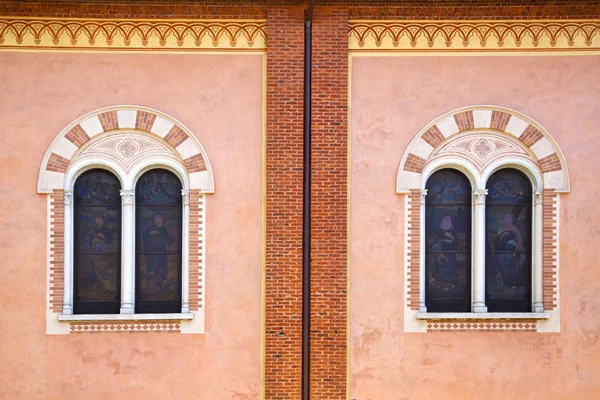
(392, 99)
(219, 98)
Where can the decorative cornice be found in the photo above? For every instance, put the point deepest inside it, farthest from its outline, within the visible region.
(118, 34)
(407, 36)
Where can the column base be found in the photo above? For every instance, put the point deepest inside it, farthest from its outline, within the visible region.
(127, 310)
(422, 309)
(185, 310)
(479, 309)
(538, 308)
(67, 310)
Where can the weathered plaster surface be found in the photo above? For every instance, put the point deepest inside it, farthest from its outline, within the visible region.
(219, 97)
(392, 99)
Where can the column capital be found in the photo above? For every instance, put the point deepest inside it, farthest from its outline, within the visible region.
(538, 196)
(423, 195)
(185, 196)
(127, 197)
(479, 196)
(68, 197)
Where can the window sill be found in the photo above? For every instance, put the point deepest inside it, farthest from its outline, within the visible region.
(125, 317)
(469, 315)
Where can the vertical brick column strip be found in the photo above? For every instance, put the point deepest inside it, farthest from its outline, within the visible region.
(329, 203)
(413, 248)
(283, 336)
(57, 250)
(549, 242)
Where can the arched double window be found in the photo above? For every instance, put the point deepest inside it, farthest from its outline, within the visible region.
(449, 248)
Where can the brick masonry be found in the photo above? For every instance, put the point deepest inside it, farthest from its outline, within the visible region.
(549, 249)
(413, 247)
(283, 335)
(482, 325)
(329, 203)
(57, 250)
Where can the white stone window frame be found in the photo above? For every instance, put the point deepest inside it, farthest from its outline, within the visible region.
(478, 181)
(128, 180)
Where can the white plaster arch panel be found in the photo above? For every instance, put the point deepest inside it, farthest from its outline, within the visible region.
(502, 123)
(113, 121)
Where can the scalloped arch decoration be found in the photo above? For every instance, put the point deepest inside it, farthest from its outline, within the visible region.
(483, 119)
(130, 118)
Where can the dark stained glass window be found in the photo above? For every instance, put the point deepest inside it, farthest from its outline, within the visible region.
(448, 242)
(508, 242)
(158, 243)
(97, 247)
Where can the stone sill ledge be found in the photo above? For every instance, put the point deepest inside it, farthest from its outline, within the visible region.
(125, 317)
(468, 315)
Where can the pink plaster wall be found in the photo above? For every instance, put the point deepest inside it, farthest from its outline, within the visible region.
(392, 99)
(219, 97)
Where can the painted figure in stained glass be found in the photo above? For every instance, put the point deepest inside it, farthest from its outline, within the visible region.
(508, 255)
(447, 243)
(97, 246)
(156, 240)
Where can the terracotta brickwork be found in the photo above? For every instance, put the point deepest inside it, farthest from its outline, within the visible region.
(550, 163)
(57, 250)
(57, 163)
(549, 249)
(176, 136)
(482, 325)
(531, 136)
(464, 120)
(144, 121)
(433, 136)
(109, 121)
(414, 163)
(197, 251)
(329, 204)
(283, 334)
(413, 247)
(195, 163)
(499, 120)
(77, 136)
(150, 326)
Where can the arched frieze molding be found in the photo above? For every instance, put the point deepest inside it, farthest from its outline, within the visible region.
(482, 135)
(169, 139)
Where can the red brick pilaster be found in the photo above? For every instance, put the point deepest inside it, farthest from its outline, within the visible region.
(329, 203)
(283, 357)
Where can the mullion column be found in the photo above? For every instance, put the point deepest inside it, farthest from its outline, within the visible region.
(479, 251)
(127, 252)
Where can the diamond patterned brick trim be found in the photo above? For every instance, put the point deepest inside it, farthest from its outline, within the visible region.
(145, 326)
(482, 325)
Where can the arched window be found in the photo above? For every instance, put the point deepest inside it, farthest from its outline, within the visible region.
(158, 244)
(97, 247)
(448, 242)
(508, 242)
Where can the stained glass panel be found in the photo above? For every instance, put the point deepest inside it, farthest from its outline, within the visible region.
(508, 242)
(448, 242)
(97, 247)
(158, 242)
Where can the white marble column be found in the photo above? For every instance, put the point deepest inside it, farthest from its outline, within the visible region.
(67, 307)
(538, 304)
(185, 269)
(127, 252)
(479, 251)
(422, 268)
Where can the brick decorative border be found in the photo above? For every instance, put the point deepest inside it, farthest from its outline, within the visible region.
(57, 250)
(535, 138)
(79, 132)
(146, 326)
(197, 249)
(413, 247)
(128, 34)
(482, 325)
(474, 35)
(549, 249)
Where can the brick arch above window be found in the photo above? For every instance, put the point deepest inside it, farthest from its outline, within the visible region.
(125, 118)
(540, 145)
